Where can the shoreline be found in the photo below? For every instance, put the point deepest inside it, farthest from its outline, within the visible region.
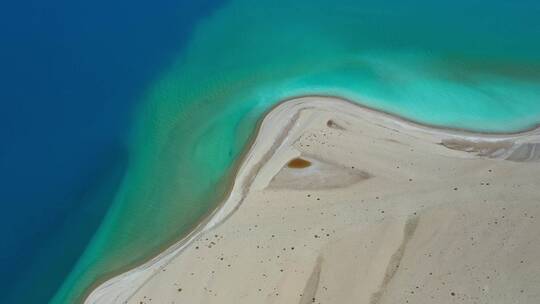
(238, 178)
(450, 130)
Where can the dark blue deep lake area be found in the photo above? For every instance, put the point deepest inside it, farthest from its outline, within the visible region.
(72, 73)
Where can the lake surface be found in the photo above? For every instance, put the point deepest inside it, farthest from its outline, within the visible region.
(72, 75)
(122, 124)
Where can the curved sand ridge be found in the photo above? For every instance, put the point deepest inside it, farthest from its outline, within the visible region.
(383, 203)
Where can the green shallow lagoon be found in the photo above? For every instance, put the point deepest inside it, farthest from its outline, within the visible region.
(466, 65)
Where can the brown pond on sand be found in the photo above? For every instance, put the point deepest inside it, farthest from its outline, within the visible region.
(298, 163)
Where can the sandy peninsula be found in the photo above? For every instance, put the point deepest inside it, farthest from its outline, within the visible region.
(337, 203)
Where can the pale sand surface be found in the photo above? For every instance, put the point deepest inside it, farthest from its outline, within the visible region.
(388, 212)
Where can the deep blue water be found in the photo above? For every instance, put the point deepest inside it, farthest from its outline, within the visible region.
(71, 75)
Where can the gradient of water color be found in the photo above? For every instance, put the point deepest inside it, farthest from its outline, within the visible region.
(72, 73)
(465, 64)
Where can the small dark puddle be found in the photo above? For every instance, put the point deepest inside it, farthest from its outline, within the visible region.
(298, 163)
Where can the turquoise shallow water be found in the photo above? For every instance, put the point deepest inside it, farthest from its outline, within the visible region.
(463, 65)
